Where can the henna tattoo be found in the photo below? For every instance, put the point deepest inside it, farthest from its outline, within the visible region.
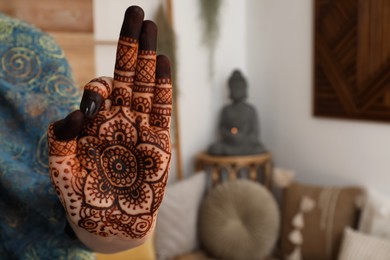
(111, 179)
(144, 81)
(102, 86)
(146, 67)
(142, 104)
(121, 95)
(59, 148)
(126, 166)
(126, 59)
(162, 104)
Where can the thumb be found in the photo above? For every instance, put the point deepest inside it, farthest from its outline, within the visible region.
(62, 134)
(65, 168)
(69, 127)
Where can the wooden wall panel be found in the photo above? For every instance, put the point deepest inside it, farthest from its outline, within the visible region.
(70, 22)
(53, 15)
(352, 59)
(79, 50)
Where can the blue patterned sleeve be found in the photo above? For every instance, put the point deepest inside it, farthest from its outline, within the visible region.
(36, 88)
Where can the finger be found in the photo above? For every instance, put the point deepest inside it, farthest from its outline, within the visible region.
(145, 72)
(162, 101)
(95, 93)
(63, 163)
(69, 127)
(126, 56)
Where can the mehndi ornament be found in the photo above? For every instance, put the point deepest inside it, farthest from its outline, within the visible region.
(111, 178)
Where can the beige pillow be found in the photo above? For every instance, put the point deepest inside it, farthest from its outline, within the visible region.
(359, 246)
(314, 218)
(239, 220)
(176, 229)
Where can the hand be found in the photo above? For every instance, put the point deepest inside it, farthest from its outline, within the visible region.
(109, 161)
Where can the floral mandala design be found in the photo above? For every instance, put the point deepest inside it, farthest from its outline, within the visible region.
(119, 182)
(123, 168)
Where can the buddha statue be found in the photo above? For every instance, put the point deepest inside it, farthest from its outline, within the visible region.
(238, 125)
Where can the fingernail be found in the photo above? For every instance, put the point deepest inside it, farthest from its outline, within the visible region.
(132, 22)
(90, 108)
(90, 103)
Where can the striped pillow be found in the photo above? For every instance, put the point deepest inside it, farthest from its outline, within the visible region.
(359, 246)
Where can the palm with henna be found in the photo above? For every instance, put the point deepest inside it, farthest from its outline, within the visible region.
(109, 161)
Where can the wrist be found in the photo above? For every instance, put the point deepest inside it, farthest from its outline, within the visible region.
(107, 245)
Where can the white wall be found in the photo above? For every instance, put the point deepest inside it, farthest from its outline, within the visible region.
(321, 151)
(200, 97)
(108, 17)
(271, 41)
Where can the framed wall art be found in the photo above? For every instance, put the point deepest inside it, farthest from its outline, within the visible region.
(352, 59)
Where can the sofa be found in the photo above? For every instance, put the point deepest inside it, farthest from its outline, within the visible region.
(316, 222)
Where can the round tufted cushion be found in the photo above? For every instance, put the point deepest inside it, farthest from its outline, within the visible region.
(239, 220)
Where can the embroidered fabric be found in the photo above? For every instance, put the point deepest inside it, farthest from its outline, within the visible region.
(36, 88)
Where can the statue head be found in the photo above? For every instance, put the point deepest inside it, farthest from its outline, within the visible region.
(237, 86)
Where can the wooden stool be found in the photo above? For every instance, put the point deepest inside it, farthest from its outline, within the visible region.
(234, 164)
